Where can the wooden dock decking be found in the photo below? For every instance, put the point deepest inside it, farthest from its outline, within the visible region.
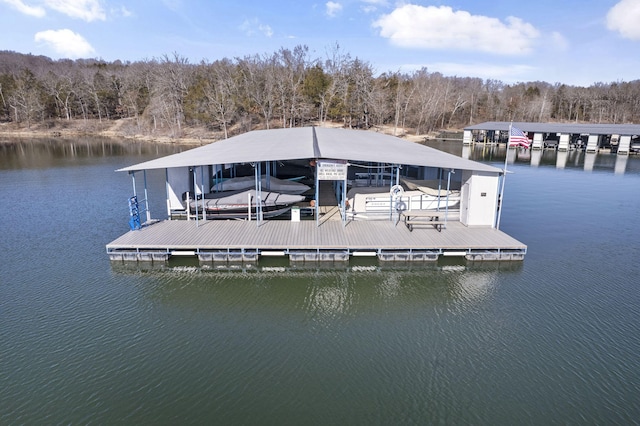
(230, 240)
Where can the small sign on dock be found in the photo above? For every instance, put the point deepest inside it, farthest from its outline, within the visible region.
(332, 170)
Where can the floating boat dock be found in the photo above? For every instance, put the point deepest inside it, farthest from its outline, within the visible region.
(463, 218)
(304, 241)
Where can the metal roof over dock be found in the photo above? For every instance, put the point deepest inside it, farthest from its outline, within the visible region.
(314, 142)
(571, 128)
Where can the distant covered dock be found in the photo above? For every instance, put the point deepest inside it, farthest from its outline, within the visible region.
(619, 138)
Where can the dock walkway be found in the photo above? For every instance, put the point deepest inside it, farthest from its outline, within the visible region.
(231, 240)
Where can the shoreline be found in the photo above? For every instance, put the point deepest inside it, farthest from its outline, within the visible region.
(65, 135)
(191, 136)
(121, 129)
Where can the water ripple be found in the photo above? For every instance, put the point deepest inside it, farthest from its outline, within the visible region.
(551, 340)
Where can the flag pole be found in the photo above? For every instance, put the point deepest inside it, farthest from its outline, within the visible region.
(504, 177)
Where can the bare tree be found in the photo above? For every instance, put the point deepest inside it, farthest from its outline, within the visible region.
(137, 87)
(25, 100)
(291, 88)
(290, 68)
(58, 85)
(220, 91)
(171, 80)
(358, 95)
(429, 92)
(378, 100)
(258, 79)
(333, 99)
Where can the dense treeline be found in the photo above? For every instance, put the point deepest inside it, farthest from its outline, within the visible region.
(285, 89)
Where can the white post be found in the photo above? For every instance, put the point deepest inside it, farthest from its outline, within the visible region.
(317, 200)
(133, 182)
(258, 171)
(204, 205)
(166, 187)
(146, 196)
(195, 195)
(504, 177)
(188, 208)
(446, 207)
(344, 201)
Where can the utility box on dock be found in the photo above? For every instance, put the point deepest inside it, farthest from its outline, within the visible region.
(295, 214)
(479, 199)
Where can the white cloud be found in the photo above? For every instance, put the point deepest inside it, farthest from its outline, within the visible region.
(19, 5)
(121, 12)
(87, 10)
(371, 6)
(265, 29)
(173, 5)
(558, 41)
(125, 12)
(623, 18)
(253, 26)
(333, 8)
(65, 42)
(431, 27)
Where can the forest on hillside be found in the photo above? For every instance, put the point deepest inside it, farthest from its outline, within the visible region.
(287, 88)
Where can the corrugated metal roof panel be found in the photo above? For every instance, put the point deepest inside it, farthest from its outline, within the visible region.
(377, 147)
(259, 145)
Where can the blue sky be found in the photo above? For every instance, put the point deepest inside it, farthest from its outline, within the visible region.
(577, 42)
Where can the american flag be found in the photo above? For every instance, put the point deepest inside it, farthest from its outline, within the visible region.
(518, 138)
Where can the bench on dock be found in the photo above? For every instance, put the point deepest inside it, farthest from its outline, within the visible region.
(412, 218)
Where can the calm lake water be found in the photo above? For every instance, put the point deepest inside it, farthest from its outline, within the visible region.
(551, 340)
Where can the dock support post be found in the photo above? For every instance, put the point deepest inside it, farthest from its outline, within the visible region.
(146, 196)
(592, 143)
(467, 137)
(204, 209)
(258, 199)
(317, 193)
(623, 144)
(133, 182)
(195, 193)
(446, 207)
(166, 188)
(344, 201)
(563, 145)
(537, 141)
